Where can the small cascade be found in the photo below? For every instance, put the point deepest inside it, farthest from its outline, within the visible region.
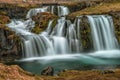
(52, 9)
(102, 32)
(15, 25)
(73, 40)
(59, 28)
(62, 11)
(49, 28)
(34, 11)
(38, 46)
(60, 45)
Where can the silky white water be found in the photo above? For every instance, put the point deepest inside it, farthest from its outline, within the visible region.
(64, 38)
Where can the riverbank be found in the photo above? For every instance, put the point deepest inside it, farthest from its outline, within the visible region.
(14, 72)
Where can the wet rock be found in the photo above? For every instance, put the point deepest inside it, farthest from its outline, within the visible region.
(16, 11)
(116, 20)
(13, 11)
(107, 72)
(10, 43)
(41, 21)
(85, 34)
(49, 71)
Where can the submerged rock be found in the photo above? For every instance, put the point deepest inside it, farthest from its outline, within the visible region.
(49, 71)
(107, 71)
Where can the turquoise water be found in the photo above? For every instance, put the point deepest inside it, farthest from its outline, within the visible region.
(68, 62)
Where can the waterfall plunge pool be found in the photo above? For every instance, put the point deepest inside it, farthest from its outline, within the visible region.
(96, 60)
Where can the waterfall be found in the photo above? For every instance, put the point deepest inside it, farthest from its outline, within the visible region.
(59, 28)
(34, 11)
(65, 37)
(61, 11)
(102, 32)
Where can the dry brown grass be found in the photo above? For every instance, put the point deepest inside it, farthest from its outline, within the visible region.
(102, 8)
(16, 73)
(86, 75)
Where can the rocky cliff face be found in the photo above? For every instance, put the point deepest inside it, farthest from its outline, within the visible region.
(9, 42)
(116, 20)
(15, 11)
(86, 34)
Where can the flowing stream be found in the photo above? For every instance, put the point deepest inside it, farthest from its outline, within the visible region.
(62, 44)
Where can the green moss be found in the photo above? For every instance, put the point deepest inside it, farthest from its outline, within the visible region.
(42, 20)
(37, 30)
(54, 23)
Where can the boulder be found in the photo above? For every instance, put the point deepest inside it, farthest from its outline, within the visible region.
(49, 71)
(10, 43)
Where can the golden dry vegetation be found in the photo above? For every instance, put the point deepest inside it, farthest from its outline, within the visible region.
(14, 72)
(102, 8)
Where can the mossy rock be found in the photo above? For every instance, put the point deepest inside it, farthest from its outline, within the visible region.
(16, 11)
(86, 37)
(42, 20)
(116, 20)
(4, 19)
(10, 43)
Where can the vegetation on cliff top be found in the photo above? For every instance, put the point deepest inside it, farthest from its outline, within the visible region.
(102, 8)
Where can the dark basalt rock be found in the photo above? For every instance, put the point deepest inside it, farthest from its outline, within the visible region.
(107, 72)
(85, 34)
(10, 43)
(49, 71)
(116, 20)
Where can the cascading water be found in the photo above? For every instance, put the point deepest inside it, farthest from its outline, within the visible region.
(103, 32)
(61, 11)
(60, 45)
(65, 38)
(34, 11)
